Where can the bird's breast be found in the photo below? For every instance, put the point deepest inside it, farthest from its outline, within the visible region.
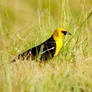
(58, 46)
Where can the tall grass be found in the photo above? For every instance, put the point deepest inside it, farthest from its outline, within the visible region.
(27, 23)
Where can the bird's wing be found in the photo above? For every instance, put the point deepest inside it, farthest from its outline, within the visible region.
(49, 49)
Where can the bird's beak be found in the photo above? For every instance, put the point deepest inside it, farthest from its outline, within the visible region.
(68, 33)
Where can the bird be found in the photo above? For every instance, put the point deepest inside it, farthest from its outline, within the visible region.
(48, 49)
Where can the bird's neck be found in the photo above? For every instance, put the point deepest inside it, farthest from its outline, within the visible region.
(57, 36)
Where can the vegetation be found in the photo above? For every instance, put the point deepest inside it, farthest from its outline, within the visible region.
(27, 23)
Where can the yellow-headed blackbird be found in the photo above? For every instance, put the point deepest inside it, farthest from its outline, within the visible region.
(47, 49)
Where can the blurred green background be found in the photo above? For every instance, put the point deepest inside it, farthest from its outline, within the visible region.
(25, 21)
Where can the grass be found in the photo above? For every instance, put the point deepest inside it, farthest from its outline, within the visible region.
(30, 22)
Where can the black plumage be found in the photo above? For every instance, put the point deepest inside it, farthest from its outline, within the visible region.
(46, 49)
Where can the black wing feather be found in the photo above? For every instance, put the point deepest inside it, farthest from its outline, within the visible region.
(49, 47)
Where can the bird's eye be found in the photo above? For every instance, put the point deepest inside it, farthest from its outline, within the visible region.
(64, 32)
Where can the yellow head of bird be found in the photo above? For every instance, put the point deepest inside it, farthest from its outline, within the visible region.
(59, 33)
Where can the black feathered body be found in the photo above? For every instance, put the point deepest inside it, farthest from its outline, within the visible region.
(46, 50)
